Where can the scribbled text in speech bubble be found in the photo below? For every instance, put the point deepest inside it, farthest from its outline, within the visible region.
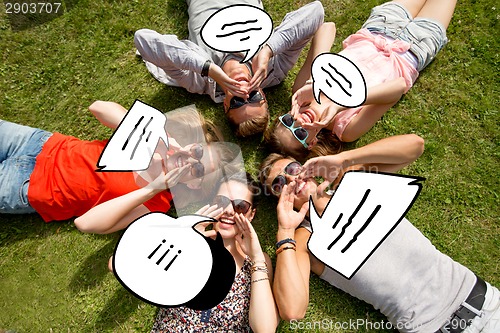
(134, 141)
(237, 28)
(339, 79)
(166, 262)
(365, 208)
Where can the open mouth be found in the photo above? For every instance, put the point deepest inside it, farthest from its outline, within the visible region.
(226, 221)
(300, 187)
(307, 116)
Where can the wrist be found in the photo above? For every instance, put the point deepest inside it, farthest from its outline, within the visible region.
(268, 52)
(284, 233)
(206, 68)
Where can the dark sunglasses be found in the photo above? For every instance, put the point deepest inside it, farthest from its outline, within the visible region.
(240, 206)
(292, 169)
(298, 132)
(254, 97)
(197, 169)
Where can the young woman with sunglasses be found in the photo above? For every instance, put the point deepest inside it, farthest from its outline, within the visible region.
(399, 39)
(249, 306)
(417, 287)
(55, 175)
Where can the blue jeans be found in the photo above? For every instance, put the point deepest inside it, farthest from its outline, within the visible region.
(19, 147)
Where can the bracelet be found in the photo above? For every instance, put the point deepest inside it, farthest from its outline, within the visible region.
(281, 249)
(310, 81)
(261, 279)
(206, 67)
(284, 241)
(252, 263)
(259, 269)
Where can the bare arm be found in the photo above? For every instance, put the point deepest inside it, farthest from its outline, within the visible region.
(387, 155)
(263, 314)
(291, 280)
(386, 92)
(110, 114)
(321, 43)
(115, 214)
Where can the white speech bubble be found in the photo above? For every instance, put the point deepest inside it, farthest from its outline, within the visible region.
(134, 141)
(339, 79)
(365, 208)
(237, 28)
(163, 260)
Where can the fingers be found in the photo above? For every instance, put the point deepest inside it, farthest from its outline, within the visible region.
(210, 210)
(323, 186)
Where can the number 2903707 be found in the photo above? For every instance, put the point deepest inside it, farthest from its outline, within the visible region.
(32, 7)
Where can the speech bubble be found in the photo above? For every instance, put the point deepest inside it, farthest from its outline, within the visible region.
(339, 79)
(237, 28)
(364, 210)
(134, 141)
(166, 262)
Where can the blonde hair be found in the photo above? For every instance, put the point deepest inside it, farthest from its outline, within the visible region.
(252, 126)
(187, 125)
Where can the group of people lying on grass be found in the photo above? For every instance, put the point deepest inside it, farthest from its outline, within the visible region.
(417, 287)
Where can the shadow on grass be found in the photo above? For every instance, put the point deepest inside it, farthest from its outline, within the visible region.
(15, 228)
(24, 14)
(90, 274)
(92, 271)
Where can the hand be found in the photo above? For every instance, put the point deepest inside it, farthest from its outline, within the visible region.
(212, 211)
(328, 167)
(303, 96)
(248, 240)
(260, 63)
(288, 218)
(170, 179)
(329, 112)
(234, 87)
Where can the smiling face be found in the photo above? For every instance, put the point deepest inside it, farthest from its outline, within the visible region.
(307, 114)
(233, 190)
(304, 188)
(247, 111)
(200, 157)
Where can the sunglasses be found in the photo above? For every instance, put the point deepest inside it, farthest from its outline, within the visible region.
(292, 169)
(254, 97)
(197, 169)
(239, 206)
(298, 132)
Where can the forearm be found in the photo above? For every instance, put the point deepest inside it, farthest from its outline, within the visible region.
(103, 217)
(168, 52)
(291, 280)
(297, 27)
(321, 43)
(109, 114)
(263, 316)
(400, 149)
(387, 92)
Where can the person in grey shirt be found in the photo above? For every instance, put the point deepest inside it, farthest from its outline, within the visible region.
(195, 66)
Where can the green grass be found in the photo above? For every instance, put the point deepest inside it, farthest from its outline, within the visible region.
(54, 278)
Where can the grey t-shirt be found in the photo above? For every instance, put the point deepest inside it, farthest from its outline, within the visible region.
(408, 280)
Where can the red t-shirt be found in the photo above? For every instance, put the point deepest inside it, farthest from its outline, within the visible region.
(64, 182)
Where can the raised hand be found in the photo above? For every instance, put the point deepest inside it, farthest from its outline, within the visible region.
(247, 238)
(288, 218)
(226, 83)
(260, 63)
(329, 167)
(212, 211)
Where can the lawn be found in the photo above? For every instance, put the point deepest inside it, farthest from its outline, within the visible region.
(54, 278)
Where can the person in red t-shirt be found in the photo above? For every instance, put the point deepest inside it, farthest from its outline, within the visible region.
(54, 175)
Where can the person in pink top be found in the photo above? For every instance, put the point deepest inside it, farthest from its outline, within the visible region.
(399, 39)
